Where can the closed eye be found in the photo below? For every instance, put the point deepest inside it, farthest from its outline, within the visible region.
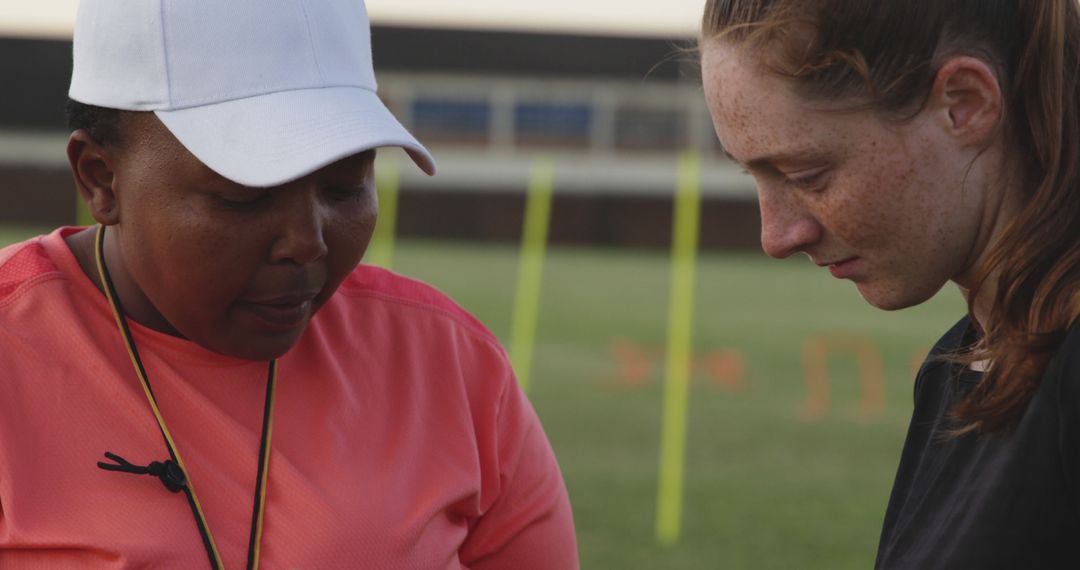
(244, 201)
(342, 193)
(811, 181)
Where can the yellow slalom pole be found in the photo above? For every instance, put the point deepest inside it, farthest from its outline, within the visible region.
(387, 182)
(531, 269)
(677, 373)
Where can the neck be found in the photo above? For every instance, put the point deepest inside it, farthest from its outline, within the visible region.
(1001, 204)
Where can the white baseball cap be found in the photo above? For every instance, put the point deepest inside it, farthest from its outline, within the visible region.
(261, 91)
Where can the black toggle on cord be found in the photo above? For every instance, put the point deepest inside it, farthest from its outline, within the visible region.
(171, 471)
(168, 472)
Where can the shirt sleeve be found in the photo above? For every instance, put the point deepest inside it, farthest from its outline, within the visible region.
(526, 522)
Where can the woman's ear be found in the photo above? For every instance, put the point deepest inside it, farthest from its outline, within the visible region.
(968, 97)
(92, 166)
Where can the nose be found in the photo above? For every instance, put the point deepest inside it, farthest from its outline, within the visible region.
(786, 227)
(300, 235)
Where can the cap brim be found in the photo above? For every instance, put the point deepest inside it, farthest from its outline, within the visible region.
(271, 139)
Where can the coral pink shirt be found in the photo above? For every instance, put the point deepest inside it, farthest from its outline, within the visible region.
(401, 439)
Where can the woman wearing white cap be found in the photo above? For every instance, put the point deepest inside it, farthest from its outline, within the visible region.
(215, 331)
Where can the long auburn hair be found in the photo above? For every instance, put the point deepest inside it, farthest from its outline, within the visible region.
(884, 55)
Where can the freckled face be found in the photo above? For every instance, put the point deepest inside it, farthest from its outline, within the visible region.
(235, 269)
(880, 203)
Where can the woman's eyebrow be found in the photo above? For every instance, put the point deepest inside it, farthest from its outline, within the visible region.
(766, 159)
(792, 156)
(771, 159)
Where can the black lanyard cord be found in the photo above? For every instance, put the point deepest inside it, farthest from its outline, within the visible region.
(172, 472)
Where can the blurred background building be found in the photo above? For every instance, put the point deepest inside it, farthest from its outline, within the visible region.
(612, 100)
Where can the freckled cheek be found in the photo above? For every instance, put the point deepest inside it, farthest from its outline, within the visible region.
(862, 211)
(917, 197)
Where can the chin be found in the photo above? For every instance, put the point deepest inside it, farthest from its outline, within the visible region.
(895, 296)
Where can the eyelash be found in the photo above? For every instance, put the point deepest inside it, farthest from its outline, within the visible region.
(343, 193)
(810, 182)
(244, 204)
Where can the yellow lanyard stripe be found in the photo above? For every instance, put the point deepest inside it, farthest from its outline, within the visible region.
(264, 450)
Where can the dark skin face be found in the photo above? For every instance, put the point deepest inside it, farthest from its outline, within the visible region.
(235, 269)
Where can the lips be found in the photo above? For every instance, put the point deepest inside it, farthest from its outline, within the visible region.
(843, 269)
(288, 310)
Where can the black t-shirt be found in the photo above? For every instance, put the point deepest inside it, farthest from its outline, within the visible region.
(1007, 500)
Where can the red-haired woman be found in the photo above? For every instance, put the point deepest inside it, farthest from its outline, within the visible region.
(904, 144)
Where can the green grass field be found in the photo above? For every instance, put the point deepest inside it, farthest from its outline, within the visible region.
(764, 488)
